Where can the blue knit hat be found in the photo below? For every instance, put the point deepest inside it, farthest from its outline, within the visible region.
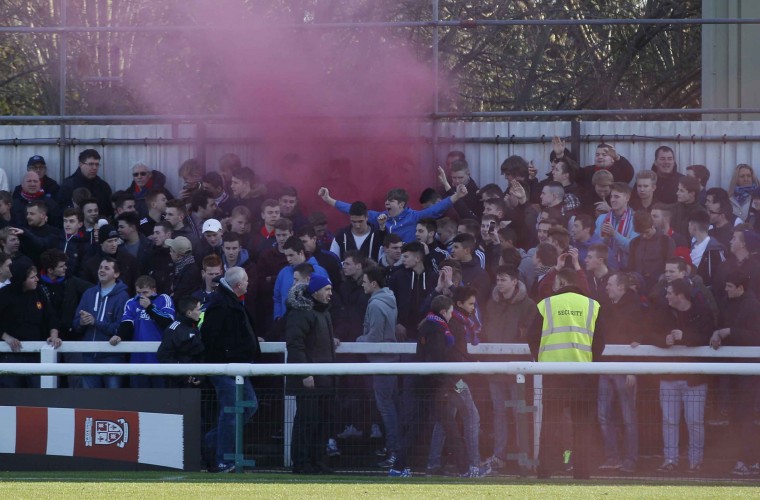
(318, 282)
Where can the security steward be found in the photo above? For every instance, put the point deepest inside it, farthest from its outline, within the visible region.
(566, 331)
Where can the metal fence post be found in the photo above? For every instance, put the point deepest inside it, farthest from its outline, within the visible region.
(239, 411)
(521, 412)
(288, 415)
(48, 355)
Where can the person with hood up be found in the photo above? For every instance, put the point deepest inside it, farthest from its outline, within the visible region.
(25, 315)
(97, 319)
(310, 339)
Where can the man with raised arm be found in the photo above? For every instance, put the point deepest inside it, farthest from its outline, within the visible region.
(402, 220)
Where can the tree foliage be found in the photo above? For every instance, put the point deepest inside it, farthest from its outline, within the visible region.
(481, 68)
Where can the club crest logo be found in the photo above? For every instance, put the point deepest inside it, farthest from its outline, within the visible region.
(108, 432)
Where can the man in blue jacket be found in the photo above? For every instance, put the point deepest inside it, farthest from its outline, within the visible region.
(145, 318)
(402, 220)
(97, 319)
(295, 253)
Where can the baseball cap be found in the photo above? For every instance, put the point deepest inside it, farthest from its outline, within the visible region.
(212, 225)
(180, 244)
(35, 160)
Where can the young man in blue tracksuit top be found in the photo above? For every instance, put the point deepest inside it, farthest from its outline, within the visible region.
(402, 220)
(97, 319)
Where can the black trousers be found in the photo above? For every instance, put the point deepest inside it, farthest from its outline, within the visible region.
(310, 426)
(557, 396)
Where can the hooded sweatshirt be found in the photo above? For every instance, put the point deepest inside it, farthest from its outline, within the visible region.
(25, 315)
(107, 310)
(380, 323)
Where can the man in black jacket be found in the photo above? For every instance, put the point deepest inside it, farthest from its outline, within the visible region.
(108, 236)
(739, 325)
(411, 284)
(181, 341)
(228, 337)
(684, 322)
(623, 321)
(87, 176)
(38, 235)
(310, 339)
(63, 292)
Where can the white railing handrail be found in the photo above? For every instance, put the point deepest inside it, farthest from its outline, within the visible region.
(280, 369)
(643, 351)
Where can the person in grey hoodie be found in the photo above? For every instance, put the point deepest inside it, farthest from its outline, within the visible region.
(380, 326)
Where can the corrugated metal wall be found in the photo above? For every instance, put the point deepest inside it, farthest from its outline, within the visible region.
(484, 158)
(721, 158)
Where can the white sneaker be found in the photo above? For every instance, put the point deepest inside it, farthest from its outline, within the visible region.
(376, 433)
(332, 448)
(350, 432)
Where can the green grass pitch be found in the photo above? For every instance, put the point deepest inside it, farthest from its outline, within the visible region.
(150, 485)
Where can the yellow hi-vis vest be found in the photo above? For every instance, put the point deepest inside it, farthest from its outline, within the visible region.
(568, 328)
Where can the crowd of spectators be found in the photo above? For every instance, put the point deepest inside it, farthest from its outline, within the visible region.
(230, 261)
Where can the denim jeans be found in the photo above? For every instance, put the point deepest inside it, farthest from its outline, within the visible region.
(674, 393)
(103, 381)
(145, 382)
(386, 398)
(450, 403)
(610, 388)
(503, 389)
(223, 435)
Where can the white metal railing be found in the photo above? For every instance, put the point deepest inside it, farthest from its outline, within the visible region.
(49, 359)
(49, 368)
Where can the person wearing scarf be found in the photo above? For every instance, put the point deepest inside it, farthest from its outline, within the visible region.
(616, 226)
(443, 338)
(743, 183)
(741, 200)
(187, 276)
(28, 192)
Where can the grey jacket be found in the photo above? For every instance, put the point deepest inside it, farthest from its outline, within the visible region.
(380, 323)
